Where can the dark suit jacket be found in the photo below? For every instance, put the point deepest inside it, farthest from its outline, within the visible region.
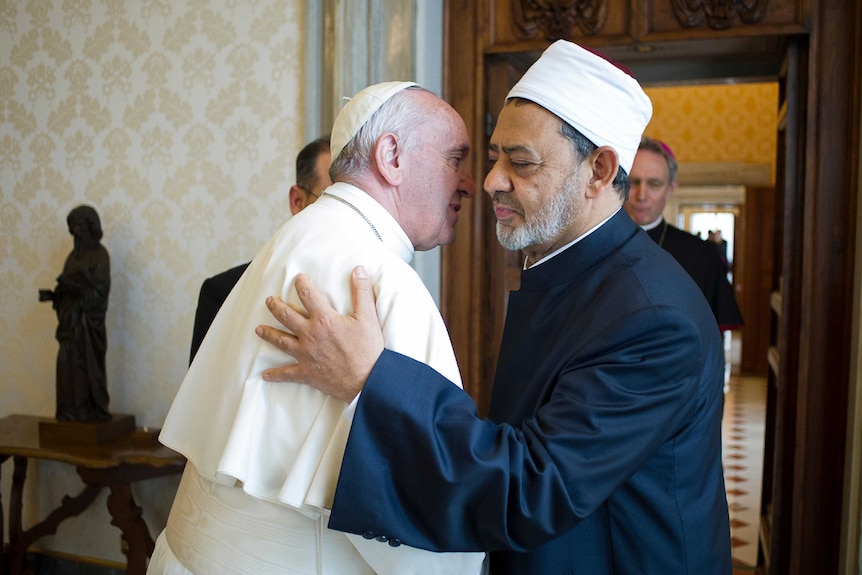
(704, 264)
(213, 292)
(602, 451)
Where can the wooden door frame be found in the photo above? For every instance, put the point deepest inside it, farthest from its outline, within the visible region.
(826, 257)
(830, 189)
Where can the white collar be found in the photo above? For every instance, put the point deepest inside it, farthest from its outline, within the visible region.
(379, 220)
(652, 226)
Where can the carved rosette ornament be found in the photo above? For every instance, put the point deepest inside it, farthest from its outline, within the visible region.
(718, 14)
(557, 18)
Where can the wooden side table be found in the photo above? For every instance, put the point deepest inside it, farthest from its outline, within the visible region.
(114, 464)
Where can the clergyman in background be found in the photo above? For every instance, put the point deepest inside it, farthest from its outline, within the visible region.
(651, 181)
(312, 177)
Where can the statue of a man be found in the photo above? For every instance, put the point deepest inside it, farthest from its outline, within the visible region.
(81, 300)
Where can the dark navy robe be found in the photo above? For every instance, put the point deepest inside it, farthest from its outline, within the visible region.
(602, 450)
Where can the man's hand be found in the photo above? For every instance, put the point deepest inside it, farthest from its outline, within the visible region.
(335, 352)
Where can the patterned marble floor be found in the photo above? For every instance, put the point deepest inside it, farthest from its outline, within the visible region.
(742, 442)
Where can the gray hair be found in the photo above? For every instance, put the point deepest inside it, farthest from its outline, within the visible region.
(584, 146)
(663, 150)
(399, 115)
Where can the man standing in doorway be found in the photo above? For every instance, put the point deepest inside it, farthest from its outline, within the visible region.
(652, 180)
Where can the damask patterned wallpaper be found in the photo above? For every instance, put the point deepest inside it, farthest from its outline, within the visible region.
(717, 123)
(179, 121)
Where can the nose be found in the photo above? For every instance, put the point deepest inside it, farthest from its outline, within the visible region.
(496, 181)
(636, 190)
(468, 186)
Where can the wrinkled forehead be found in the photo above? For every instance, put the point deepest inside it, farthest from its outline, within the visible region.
(449, 125)
(649, 164)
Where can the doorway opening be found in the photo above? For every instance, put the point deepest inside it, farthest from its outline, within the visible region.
(715, 224)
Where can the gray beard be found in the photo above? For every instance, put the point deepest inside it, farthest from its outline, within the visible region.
(546, 224)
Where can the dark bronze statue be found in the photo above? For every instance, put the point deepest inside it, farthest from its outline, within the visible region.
(81, 300)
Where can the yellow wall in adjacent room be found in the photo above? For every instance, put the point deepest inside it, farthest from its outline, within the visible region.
(717, 123)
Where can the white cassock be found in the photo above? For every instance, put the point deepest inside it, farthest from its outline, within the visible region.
(263, 458)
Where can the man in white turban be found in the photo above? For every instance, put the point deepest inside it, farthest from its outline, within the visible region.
(601, 453)
(263, 458)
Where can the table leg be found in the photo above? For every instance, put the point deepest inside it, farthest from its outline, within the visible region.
(16, 503)
(2, 533)
(138, 545)
(19, 539)
(125, 514)
(16, 498)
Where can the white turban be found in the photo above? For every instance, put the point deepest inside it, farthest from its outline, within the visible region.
(592, 95)
(358, 110)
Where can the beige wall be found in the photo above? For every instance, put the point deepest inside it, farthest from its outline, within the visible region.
(179, 121)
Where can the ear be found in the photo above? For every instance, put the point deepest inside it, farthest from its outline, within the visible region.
(604, 164)
(297, 199)
(387, 158)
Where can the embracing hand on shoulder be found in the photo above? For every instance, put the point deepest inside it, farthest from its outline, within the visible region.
(335, 353)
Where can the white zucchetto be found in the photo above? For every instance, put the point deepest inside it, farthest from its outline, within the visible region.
(591, 94)
(358, 110)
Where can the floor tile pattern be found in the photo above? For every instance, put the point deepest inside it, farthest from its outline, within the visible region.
(742, 443)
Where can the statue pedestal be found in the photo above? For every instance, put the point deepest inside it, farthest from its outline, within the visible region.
(85, 432)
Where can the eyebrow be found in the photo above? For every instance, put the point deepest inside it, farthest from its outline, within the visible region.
(510, 149)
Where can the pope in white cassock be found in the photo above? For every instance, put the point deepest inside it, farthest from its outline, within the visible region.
(263, 458)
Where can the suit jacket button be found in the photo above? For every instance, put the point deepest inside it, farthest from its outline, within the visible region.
(394, 542)
(382, 538)
(369, 535)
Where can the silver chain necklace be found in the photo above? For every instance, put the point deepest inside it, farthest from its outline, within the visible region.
(355, 209)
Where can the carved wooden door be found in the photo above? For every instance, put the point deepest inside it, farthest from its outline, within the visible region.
(783, 354)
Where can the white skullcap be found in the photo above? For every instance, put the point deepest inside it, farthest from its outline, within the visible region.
(590, 94)
(358, 110)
